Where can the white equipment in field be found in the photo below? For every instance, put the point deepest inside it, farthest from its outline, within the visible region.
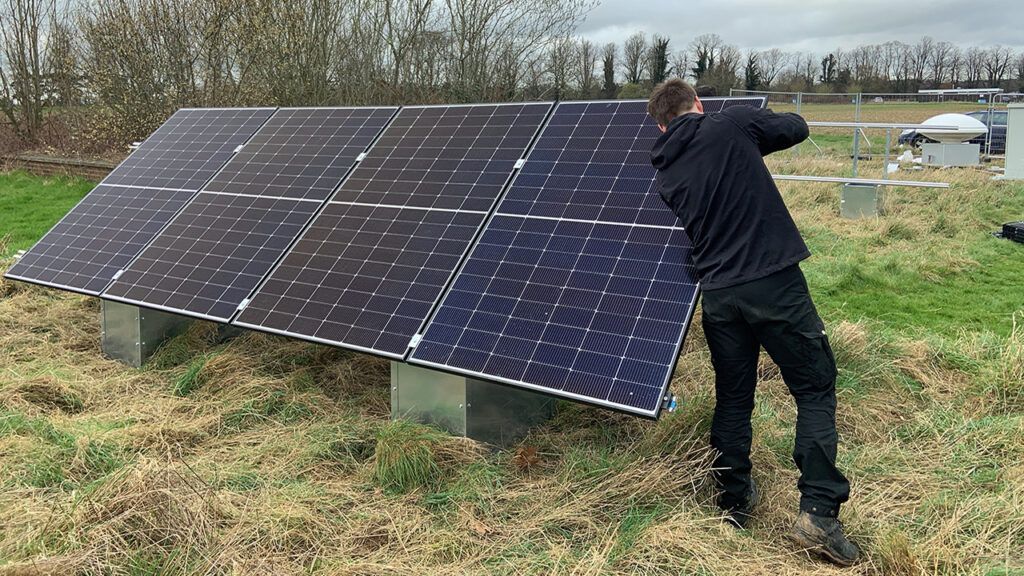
(952, 148)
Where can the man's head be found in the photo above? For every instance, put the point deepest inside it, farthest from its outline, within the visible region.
(706, 91)
(670, 99)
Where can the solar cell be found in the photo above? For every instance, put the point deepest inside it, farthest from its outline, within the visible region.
(367, 272)
(582, 285)
(119, 217)
(217, 250)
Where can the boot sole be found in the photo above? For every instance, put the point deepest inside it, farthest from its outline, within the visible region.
(819, 549)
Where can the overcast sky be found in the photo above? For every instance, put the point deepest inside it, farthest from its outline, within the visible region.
(817, 26)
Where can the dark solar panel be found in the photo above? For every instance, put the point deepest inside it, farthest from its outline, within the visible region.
(447, 157)
(364, 277)
(715, 105)
(582, 285)
(109, 227)
(189, 148)
(209, 258)
(371, 266)
(302, 152)
(98, 237)
(212, 256)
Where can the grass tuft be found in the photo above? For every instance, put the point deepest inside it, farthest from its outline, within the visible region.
(404, 456)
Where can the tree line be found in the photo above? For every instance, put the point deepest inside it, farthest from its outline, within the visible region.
(125, 65)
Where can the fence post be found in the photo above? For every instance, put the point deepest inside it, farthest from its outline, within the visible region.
(799, 102)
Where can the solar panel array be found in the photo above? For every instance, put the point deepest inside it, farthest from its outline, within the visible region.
(371, 267)
(578, 284)
(219, 248)
(115, 221)
(582, 285)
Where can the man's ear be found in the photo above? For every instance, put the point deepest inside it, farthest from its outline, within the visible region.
(662, 128)
(698, 104)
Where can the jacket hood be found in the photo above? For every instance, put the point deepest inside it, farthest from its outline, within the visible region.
(676, 138)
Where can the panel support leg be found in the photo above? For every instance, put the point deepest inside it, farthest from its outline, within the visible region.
(491, 413)
(132, 334)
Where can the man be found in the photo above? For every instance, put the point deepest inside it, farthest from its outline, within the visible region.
(747, 248)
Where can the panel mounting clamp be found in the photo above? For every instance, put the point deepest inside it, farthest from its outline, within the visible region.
(669, 402)
(243, 304)
(415, 340)
(361, 157)
(117, 274)
(519, 164)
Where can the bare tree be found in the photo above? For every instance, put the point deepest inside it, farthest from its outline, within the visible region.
(997, 63)
(974, 63)
(771, 62)
(804, 66)
(1018, 65)
(634, 57)
(586, 68)
(723, 75)
(939, 62)
(561, 63)
(24, 30)
(680, 64)
(521, 29)
(920, 56)
(956, 66)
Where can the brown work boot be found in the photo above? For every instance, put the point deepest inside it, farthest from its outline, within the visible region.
(824, 535)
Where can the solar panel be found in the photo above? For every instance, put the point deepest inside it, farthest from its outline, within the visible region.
(582, 285)
(218, 249)
(120, 216)
(189, 148)
(367, 272)
(715, 105)
(590, 311)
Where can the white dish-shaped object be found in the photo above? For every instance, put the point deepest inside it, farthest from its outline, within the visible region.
(966, 128)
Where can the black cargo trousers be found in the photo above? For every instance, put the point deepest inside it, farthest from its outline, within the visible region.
(775, 312)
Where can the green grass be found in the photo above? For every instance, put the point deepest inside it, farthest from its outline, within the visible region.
(892, 289)
(30, 205)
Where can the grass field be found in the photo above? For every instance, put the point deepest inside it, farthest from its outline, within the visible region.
(269, 456)
(29, 206)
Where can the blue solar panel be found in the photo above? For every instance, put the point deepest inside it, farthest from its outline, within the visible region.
(595, 311)
(592, 162)
(582, 285)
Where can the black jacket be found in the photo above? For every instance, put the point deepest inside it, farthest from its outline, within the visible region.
(710, 173)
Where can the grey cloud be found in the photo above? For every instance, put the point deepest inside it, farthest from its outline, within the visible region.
(818, 26)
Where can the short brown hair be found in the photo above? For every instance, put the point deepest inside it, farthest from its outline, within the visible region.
(706, 91)
(670, 99)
